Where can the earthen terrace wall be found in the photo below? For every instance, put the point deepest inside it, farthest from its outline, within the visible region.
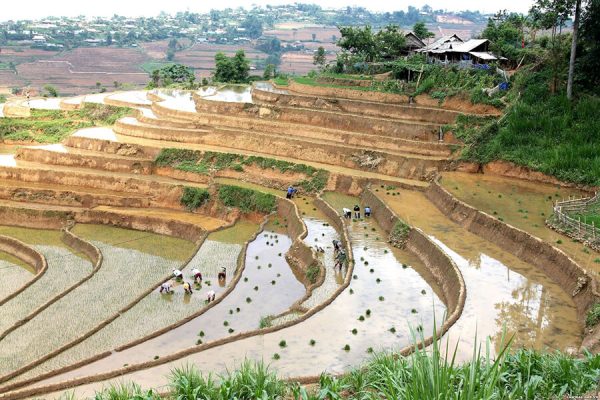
(29, 256)
(574, 280)
(362, 107)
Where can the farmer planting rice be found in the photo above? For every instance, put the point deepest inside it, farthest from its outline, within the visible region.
(197, 275)
(210, 296)
(357, 211)
(223, 274)
(337, 245)
(347, 212)
(166, 287)
(187, 288)
(340, 259)
(177, 274)
(367, 212)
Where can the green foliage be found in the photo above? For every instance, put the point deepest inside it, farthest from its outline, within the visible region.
(232, 69)
(51, 126)
(205, 162)
(247, 200)
(388, 43)
(319, 58)
(2, 98)
(312, 273)
(421, 31)
(399, 233)
(172, 74)
(506, 35)
(588, 65)
(194, 197)
(593, 316)
(543, 131)
(51, 90)
(265, 322)
(269, 71)
(125, 391)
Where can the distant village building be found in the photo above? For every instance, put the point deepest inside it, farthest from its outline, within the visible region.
(413, 42)
(452, 49)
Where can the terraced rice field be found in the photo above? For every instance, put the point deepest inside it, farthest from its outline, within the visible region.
(157, 311)
(65, 268)
(126, 273)
(14, 272)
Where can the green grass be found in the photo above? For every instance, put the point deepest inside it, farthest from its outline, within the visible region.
(542, 131)
(205, 162)
(312, 273)
(399, 233)
(194, 197)
(247, 200)
(281, 81)
(51, 126)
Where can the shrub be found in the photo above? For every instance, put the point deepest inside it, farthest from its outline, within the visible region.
(247, 200)
(593, 315)
(312, 273)
(399, 234)
(194, 197)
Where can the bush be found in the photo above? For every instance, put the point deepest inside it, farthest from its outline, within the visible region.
(593, 316)
(247, 200)
(194, 197)
(312, 273)
(399, 234)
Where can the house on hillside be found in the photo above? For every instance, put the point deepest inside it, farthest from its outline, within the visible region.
(453, 50)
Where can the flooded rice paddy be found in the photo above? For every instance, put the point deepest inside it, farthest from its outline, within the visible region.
(135, 98)
(525, 205)
(362, 317)
(177, 99)
(503, 292)
(129, 267)
(231, 94)
(267, 287)
(65, 268)
(157, 311)
(14, 273)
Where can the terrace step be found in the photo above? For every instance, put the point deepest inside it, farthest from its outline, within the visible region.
(93, 139)
(58, 154)
(369, 140)
(71, 196)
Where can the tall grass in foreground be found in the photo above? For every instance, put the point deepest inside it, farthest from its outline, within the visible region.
(431, 373)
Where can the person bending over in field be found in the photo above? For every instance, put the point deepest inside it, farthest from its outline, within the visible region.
(166, 287)
(223, 274)
(210, 296)
(367, 212)
(347, 213)
(337, 246)
(177, 274)
(197, 276)
(187, 288)
(340, 259)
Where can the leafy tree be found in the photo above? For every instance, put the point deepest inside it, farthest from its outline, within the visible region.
(505, 32)
(269, 71)
(109, 39)
(319, 58)
(421, 31)
(359, 41)
(170, 74)
(52, 92)
(253, 26)
(232, 69)
(390, 43)
(589, 61)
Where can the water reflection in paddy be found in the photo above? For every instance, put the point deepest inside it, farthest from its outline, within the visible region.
(177, 99)
(525, 205)
(501, 289)
(391, 303)
(240, 311)
(232, 94)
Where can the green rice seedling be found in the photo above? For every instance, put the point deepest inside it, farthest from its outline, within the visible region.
(346, 347)
(276, 356)
(156, 357)
(351, 291)
(312, 342)
(414, 311)
(273, 282)
(237, 309)
(230, 330)
(361, 318)
(368, 313)
(256, 288)
(369, 350)
(385, 251)
(225, 323)
(381, 298)
(282, 344)
(354, 276)
(230, 312)
(423, 291)
(371, 270)
(354, 331)
(199, 341)
(392, 329)
(201, 334)
(248, 300)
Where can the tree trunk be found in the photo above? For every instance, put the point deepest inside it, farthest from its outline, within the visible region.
(573, 51)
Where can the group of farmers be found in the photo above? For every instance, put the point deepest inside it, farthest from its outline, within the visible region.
(167, 287)
(347, 213)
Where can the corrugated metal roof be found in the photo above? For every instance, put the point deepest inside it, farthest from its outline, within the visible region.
(469, 45)
(483, 55)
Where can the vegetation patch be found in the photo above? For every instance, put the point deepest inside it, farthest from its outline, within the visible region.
(52, 126)
(593, 316)
(206, 162)
(312, 273)
(399, 234)
(193, 197)
(247, 200)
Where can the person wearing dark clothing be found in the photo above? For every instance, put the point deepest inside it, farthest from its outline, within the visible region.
(357, 211)
(222, 275)
(337, 245)
(340, 259)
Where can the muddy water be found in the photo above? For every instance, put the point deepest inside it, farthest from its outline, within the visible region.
(232, 94)
(156, 310)
(254, 296)
(14, 273)
(332, 328)
(268, 86)
(177, 100)
(502, 291)
(525, 205)
(137, 97)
